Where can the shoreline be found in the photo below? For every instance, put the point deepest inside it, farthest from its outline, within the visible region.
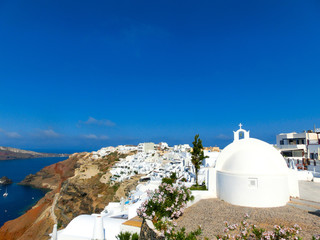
(34, 197)
(30, 195)
(32, 157)
(9, 153)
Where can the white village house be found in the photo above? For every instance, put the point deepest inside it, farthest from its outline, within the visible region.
(300, 145)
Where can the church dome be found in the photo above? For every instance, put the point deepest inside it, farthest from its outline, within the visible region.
(251, 173)
(251, 156)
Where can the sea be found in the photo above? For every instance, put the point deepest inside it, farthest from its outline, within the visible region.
(20, 198)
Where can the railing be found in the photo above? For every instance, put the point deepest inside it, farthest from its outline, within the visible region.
(296, 146)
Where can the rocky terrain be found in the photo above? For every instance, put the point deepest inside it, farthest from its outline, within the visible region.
(78, 185)
(8, 153)
(5, 181)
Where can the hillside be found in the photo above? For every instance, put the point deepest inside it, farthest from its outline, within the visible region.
(79, 185)
(8, 153)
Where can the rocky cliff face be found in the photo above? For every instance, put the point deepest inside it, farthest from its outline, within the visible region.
(35, 224)
(79, 185)
(51, 177)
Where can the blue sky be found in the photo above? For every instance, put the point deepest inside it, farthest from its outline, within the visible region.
(80, 75)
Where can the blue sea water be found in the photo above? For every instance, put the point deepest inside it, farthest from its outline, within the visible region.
(20, 198)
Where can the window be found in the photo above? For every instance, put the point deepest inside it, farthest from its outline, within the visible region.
(281, 142)
(253, 183)
(241, 135)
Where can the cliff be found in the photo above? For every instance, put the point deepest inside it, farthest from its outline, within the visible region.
(79, 185)
(8, 153)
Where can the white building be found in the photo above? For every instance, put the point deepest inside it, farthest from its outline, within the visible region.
(252, 173)
(300, 145)
(211, 158)
(102, 152)
(181, 148)
(163, 145)
(146, 147)
(126, 148)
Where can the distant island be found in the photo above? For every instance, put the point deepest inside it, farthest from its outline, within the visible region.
(8, 153)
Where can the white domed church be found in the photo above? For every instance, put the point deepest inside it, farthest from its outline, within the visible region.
(250, 172)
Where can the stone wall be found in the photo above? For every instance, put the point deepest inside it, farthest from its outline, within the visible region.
(148, 231)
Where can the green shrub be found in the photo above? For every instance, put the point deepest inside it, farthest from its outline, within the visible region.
(127, 236)
(182, 235)
(164, 205)
(171, 180)
(173, 176)
(198, 187)
(135, 236)
(124, 236)
(165, 202)
(116, 186)
(183, 179)
(167, 181)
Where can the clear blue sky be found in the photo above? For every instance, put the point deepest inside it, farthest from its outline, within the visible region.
(79, 75)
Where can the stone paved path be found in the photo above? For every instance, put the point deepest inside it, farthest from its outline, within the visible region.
(211, 214)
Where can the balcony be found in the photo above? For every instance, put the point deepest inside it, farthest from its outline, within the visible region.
(292, 147)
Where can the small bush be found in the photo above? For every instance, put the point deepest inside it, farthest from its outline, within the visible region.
(171, 180)
(127, 236)
(167, 181)
(173, 176)
(182, 235)
(183, 179)
(59, 225)
(135, 236)
(165, 202)
(116, 186)
(198, 187)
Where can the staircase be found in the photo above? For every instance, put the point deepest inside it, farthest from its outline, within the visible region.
(310, 206)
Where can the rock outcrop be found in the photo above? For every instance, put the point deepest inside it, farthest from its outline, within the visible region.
(5, 181)
(51, 177)
(79, 185)
(149, 232)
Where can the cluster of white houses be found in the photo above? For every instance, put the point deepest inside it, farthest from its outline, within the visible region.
(248, 172)
(156, 161)
(154, 166)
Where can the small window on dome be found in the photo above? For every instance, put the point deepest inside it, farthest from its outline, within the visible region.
(253, 183)
(241, 135)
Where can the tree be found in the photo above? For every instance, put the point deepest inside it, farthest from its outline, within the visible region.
(197, 155)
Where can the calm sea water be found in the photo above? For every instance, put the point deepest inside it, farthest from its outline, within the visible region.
(20, 198)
